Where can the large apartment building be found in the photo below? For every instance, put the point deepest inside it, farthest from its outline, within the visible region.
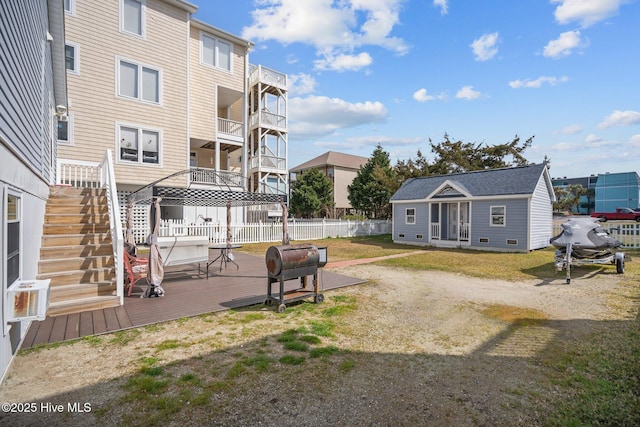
(168, 93)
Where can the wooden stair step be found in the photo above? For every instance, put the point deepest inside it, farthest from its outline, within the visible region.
(76, 239)
(50, 229)
(70, 277)
(74, 251)
(81, 290)
(65, 190)
(79, 263)
(82, 304)
(76, 218)
(63, 208)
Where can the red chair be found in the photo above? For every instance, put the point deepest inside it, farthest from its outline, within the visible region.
(136, 269)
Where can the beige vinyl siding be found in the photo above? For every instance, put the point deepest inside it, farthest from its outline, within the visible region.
(343, 178)
(207, 79)
(93, 95)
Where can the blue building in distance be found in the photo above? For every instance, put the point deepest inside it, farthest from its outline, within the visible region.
(605, 192)
(617, 190)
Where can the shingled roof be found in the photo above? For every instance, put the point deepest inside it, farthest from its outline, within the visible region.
(519, 180)
(332, 158)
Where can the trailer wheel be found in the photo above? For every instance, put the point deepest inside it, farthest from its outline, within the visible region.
(620, 266)
(318, 298)
(568, 281)
(267, 302)
(282, 308)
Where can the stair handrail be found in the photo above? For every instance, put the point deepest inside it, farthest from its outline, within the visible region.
(108, 182)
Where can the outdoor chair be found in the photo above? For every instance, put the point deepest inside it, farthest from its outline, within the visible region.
(136, 269)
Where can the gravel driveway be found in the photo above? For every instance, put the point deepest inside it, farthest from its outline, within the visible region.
(424, 348)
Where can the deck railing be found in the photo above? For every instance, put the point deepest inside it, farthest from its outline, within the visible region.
(230, 127)
(213, 177)
(108, 181)
(80, 174)
(271, 162)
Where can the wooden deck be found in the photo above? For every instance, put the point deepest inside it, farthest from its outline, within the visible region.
(188, 293)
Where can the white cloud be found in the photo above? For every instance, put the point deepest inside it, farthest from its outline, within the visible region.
(335, 29)
(552, 81)
(484, 48)
(564, 45)
(371, 141)
(592, 139)
(467, 92)
(316, 116)
(344, 62)
(620, 118)
(442, 4)
(421, 95)
(301, 84)
(634, 141)
(587, 12)
(570, 130)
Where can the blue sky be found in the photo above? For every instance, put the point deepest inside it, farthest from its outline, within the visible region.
(403, 72)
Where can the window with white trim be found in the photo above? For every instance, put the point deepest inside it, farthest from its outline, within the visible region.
(215, 52)
(139, 82)
(13, 215)
(72, 58)
(410, 216)
(139, 145)
(65, 131)
(70, 7)
(132, 19)
(498, 216)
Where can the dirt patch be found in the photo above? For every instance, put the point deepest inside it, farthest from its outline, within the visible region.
(419, 348)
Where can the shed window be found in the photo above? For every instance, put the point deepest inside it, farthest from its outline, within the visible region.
(498, 216)
(410, 216)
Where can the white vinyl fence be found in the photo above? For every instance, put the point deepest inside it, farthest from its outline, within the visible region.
(266, 231)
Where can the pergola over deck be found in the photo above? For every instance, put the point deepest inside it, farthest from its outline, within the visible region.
(188, 196)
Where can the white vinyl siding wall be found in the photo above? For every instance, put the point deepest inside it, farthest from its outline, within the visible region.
(541, 227)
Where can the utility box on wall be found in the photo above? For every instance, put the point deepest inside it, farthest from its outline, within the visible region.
(28, 300)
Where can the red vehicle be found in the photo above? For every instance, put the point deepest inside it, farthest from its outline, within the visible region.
(619, 214)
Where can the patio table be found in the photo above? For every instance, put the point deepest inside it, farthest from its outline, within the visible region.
(225, 255)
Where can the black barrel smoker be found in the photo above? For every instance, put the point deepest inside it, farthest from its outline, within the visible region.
(288, 262)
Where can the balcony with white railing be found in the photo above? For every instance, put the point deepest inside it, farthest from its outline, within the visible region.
(267, 119)
(218, 178)
(258, 73)
(268, 162)
(231, 130)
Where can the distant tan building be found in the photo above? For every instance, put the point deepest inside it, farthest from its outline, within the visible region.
(341, 169)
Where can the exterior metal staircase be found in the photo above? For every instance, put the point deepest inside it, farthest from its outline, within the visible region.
(77, 252)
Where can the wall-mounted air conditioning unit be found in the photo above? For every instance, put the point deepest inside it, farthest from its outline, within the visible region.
(28, 300)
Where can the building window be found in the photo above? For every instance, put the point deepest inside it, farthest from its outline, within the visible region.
(72, 58)
(70, 7)
(132, 19)
(138, 82)
(65, 131)
(137, 145)
(498, 216)
(14, 216)
(215, 52)
(410, 216)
